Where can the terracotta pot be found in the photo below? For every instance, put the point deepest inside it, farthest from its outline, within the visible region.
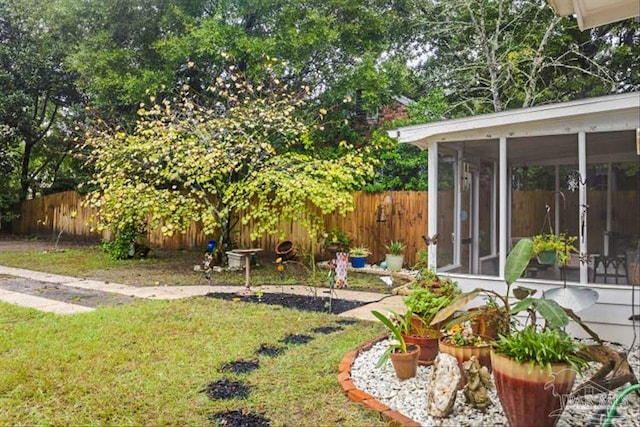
(406, 364)
(428, 346)
(531, 396)
(464, 353)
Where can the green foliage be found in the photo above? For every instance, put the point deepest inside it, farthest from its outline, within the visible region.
(399, 326)
(554, 315)
(359, 251)
(337, 237)
(239, 152)
(561, 244)
(395, 247)
(122, 244)
(540, 347)
(426, 303)
(517, 261)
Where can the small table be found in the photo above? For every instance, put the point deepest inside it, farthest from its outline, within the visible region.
(247, 264)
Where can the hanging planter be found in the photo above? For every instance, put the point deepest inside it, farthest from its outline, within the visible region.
(547, 258)
(551, 249)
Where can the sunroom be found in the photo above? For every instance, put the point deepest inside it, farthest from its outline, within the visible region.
(569, 168)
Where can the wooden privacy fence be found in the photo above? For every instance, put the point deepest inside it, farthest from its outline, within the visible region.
(378, 218)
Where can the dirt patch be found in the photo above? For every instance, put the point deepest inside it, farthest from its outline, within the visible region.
(227, 389)
(298, 302)
(84, 297)
(297, 339)
(269, 350)
(239, 418)
(326, 329)
(240, 366)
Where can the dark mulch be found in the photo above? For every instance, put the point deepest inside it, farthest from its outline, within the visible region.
(239, 418)
(297, 339)
(240, 366)
(298, 302)
(269, 350)
(226, 389)
(326, 329)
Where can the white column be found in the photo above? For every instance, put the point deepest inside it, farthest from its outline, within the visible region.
(556, 209)
(582, 197)
(475, 223)
(432, 228)
(457, 204)
(504, 198)
(494, 215)
(609, 207)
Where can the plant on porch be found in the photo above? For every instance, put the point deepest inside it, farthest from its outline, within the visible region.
(551, 248)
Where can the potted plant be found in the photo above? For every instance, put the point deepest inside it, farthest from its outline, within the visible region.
(336, 241)
(534, 370)
(395, 258)
(424, 304)
(461, 342)
(403, 355)
(551, 249)
(358, 256)
(525, 398)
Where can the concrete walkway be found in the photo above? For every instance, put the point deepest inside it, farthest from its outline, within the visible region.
(375, 301)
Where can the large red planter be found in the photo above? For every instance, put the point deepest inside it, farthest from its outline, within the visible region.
(428, 347)
(531, 395)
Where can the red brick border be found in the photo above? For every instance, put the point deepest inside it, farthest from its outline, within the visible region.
(393, 418)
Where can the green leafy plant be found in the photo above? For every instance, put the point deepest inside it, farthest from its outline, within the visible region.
(397, 325)
(337, 238)
(541, 347)
(426, 303)
(554, 315)
(561, 245)
(123, 241)
(395, 247)
(359, 251)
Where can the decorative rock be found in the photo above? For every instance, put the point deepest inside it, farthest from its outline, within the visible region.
(478, 381)
(444, 385)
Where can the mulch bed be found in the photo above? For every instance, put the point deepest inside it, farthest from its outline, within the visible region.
(239, 418)
(269, 350)
(297, 339)
(227, 389)
(297, 302)
(240, 366)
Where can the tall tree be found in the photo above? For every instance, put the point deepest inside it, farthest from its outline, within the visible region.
(241, 147)
(36, 87)
(492, 55)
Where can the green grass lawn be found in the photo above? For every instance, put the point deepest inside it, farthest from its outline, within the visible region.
(146, 363)
(165, 267)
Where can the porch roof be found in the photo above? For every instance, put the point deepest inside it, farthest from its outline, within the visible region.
(593, 13)
(539, 134)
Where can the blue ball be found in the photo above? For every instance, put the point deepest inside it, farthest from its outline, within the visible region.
(383, 264)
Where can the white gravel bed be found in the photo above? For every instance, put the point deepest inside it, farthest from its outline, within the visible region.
(409, 397)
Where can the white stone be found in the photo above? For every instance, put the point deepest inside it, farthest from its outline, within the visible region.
(443, 388)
